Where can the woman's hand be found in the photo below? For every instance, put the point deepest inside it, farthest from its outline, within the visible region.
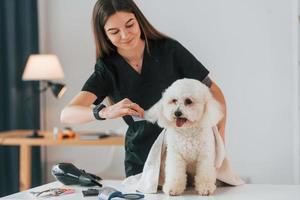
(122, 108)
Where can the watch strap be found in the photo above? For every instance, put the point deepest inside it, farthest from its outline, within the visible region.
(96, 111)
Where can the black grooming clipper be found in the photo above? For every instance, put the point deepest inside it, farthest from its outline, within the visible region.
(68, 174)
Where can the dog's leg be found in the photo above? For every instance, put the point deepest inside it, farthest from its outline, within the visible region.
(205, 178)
(175, 174)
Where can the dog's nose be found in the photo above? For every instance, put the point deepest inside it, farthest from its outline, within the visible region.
(178, 113)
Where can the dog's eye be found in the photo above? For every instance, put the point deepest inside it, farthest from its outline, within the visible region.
(173, 101)
(188, 102)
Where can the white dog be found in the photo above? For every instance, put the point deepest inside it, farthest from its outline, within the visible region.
(188, 111)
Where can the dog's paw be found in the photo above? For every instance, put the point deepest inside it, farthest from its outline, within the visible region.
(173, 190)
(206, 189)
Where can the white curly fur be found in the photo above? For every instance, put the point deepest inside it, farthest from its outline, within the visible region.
(190, 146)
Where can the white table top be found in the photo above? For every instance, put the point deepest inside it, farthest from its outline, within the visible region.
(245, 192)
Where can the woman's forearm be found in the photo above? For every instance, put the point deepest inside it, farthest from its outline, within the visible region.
(218, 95)
(75, 114)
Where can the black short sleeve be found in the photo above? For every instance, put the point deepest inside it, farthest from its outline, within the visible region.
(98, 83)
(187, 64)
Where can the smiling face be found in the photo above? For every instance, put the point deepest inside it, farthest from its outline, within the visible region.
(187, 103)
(123, 30)
(182, 111)
(184, 103)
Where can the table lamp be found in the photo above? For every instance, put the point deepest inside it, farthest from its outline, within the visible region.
(45, 67)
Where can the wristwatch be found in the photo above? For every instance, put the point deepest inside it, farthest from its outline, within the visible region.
(96, 111)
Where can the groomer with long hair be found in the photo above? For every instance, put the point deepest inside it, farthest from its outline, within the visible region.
(135, 64)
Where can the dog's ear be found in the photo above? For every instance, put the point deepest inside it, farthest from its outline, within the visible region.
(153, 113)
(212, 112)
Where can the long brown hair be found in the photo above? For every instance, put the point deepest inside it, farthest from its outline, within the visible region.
(103, 9)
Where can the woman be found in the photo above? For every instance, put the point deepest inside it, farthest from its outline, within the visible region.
(135, 64)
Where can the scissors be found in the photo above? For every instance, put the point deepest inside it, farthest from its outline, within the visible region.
(53, 192)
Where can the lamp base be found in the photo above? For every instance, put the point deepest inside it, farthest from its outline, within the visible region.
(35, 134)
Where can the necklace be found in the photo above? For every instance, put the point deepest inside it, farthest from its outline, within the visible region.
(136, 63)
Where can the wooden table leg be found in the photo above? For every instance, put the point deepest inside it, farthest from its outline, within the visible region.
(25, 167)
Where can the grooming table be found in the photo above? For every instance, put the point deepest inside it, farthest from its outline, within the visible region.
(244, 192)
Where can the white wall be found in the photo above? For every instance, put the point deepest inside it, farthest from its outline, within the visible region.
(249, 46)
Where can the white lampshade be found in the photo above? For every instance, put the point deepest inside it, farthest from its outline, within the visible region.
(43, 67)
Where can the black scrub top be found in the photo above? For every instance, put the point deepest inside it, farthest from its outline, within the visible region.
(165, 62)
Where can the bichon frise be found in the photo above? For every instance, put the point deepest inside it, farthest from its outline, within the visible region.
(188, 111)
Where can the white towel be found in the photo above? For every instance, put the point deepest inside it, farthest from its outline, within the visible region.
(149, 179)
